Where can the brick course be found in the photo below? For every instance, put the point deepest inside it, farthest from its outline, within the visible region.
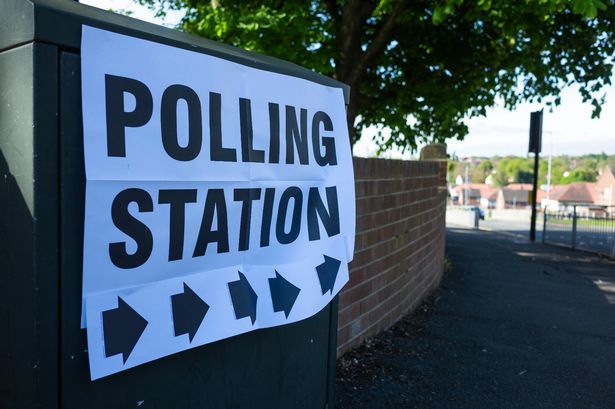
(399, 245)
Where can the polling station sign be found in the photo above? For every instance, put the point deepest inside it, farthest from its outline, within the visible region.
(219, 199)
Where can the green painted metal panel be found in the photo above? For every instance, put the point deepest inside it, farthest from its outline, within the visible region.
(59, 22)
(281, 367)
(28, 227)
(43, 356)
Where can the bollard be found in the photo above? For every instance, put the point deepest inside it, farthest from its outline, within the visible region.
(544, 225)
(574, 227)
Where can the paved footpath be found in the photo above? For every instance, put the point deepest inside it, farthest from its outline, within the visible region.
(515, 325)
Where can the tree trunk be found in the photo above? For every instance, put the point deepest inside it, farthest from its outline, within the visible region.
(351, 113)
(354, 60)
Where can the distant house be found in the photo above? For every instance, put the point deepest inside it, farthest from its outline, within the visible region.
(512, 198)
(604, 192)
(519, 186)
(466, 194)
(596, 198)
(589, 197)
(515, 196)
(545, 192)
(473, 194)
(564, 197)
(489, 199)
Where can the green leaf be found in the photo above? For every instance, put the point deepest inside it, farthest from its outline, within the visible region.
(444, 60)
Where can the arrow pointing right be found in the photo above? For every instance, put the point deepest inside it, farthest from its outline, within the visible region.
(188, 312)
(327, 273)
(122, 328)
(283, 294)
(243, 297)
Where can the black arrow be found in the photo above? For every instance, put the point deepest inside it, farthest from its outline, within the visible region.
(188, 312)
(327, 273)
(122, 328)
(243, 297)
(283, 294)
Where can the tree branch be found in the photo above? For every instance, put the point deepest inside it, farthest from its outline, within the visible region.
(352, 20)
(331, 6)
(378, 45)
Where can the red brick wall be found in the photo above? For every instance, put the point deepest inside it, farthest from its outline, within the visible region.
(399, 249)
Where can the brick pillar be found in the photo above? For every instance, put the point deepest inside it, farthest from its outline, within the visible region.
(433, 151)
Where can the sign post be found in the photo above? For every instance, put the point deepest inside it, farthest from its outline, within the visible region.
(535, 146)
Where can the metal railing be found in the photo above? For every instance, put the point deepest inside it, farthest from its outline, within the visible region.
(581, 227)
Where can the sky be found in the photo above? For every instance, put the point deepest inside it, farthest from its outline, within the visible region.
(568, 130)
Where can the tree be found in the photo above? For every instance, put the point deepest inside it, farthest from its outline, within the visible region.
(559, 165)
(477, 175)
(486, 166)
(451, 171)
(579, 175)
(500, 179)
(420, 67)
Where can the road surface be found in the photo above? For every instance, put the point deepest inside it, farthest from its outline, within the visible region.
(518, 227)
(515, 325)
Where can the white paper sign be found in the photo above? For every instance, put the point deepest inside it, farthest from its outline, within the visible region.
(219, 199)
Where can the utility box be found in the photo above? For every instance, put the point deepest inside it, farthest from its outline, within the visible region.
(43, 350)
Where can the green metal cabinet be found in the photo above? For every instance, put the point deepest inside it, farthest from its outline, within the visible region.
(43, 352)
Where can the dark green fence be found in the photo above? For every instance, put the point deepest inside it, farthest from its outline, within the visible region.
(588, 228)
